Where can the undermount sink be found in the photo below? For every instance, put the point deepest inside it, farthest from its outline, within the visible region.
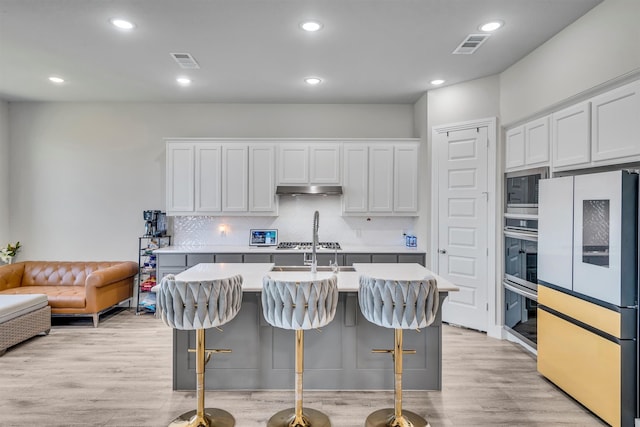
(307, 268)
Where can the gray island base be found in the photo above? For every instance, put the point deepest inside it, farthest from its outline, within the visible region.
(337, 357)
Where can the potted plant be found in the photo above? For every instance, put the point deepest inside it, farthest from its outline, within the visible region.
(7, 254)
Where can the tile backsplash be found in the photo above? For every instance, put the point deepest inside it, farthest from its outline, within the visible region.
(294, 223)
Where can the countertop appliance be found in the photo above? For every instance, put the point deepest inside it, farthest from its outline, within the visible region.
(588, 291)
(263, 237)
(155, 223)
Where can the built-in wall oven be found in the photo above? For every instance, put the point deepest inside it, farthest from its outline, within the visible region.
(520, 281)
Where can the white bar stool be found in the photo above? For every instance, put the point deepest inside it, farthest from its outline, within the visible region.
(299, 306)
(398, 305)
(198, 306)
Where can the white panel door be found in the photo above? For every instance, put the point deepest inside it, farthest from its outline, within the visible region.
(180, 174)
(235, 178)
(293, 163)
(324, 164)
(208, 174)
(462, 216)
(405, 183)
(616, 123)
(381, 178)
(356, 177)
(555, 231)
(262, 186)
(571, 136)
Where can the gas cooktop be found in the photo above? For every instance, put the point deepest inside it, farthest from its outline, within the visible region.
(308, 245)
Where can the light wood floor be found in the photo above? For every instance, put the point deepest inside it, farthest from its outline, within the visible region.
(120, 375)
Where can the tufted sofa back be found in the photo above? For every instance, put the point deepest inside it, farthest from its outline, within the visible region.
(42, 273)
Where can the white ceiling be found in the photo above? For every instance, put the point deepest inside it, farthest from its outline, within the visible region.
(369, 51)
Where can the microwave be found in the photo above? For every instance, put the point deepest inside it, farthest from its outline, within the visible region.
(521, 190)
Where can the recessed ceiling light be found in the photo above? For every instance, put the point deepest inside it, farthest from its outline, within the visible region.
(183, 81)
(311, 26)
(122, 24)
(55, 79)
(312, 81)
(491, 26)
(437, 82)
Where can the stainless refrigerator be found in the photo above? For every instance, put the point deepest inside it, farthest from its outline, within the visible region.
(588, 290)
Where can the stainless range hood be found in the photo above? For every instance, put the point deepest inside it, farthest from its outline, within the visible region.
(315, 190)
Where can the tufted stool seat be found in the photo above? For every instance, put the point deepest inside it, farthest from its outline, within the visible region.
(299, 306)
(200, 305)
(398, 305)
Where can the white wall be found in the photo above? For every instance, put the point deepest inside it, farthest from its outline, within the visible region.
(600, 46)
(84, 172)
(5, 234)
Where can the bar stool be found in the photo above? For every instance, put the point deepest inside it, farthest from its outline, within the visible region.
(398, 305)
(198, 306)
(298, 306)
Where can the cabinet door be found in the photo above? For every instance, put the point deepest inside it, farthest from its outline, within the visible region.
(356, 171)
(208, 196)
(293, 164)
(537, 142)
(405, 182)
(555, 231)
(180, 178)
(324, 164)
(616, 123)
(235, 178)
(514, 148)
(381, 178)
(262, 178)
(571, 136)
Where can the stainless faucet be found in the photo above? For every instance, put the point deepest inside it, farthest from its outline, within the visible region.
(316, 223)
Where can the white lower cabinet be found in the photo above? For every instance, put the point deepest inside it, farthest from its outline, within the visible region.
(380, 178)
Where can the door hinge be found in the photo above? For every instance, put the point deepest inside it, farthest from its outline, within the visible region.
(487, 306)
(487, 251)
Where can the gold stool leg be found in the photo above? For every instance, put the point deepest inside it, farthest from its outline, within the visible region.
(396, 417)
(299, 416)
(203, 417)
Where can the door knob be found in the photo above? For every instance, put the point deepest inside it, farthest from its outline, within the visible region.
(442, 251)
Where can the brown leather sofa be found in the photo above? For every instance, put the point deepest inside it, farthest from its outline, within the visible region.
(72, 288)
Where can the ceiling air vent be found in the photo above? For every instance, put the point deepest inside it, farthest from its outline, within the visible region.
(185, 60)
(470, 44)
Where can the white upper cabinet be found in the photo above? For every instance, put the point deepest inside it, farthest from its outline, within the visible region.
(527, 145)
(324, 160)
(571, 136)
(615, 129)
(180, 178)
(356, 177)
(405, 177)
(208, 185)
(309, 163)
(537, 142)
(262, 178)
(380, 178)
(235, 178)
(220, 178)
(514, 148)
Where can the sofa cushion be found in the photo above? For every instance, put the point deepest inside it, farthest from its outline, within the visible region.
(58, 296)
(46, 273)
(12, 306)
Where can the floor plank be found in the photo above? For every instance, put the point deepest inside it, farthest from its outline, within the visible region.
(120, 375)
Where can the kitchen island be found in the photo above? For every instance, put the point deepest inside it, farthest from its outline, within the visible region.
(337, 357)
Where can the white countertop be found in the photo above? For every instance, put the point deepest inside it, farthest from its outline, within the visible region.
(348, 281)
(203, 249)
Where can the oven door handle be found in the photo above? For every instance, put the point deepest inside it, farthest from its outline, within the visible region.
(520, 291)
(531, 237)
